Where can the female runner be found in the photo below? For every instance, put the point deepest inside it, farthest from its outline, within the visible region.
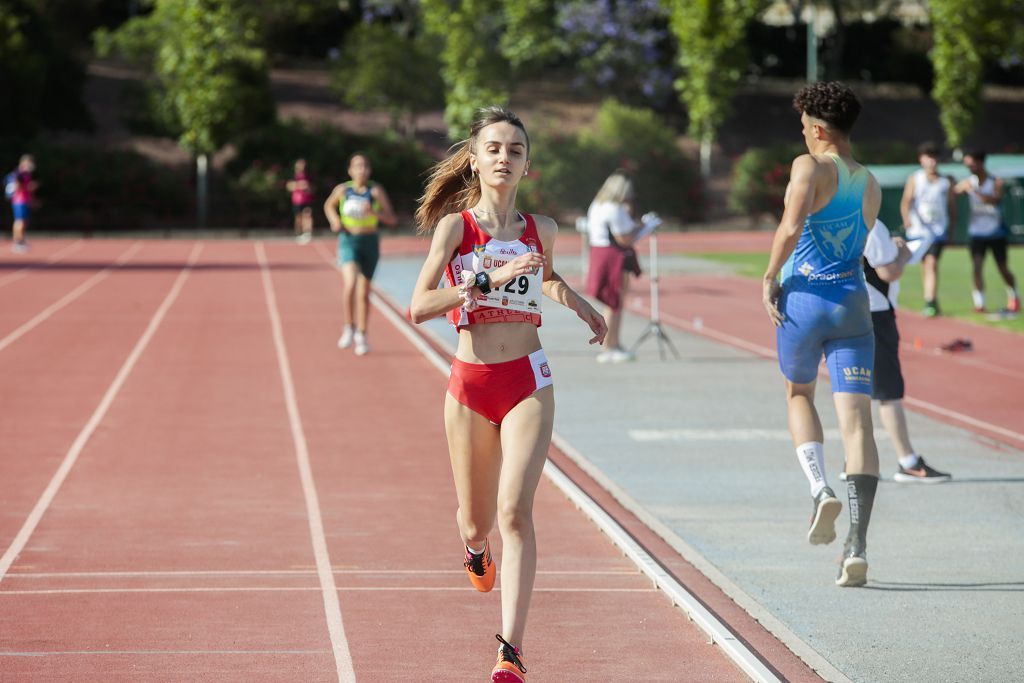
(499, 409)
(356, 209)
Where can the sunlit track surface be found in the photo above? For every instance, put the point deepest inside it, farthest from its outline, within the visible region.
(176, 543)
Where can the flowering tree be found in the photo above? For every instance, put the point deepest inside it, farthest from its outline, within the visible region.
(620, 43)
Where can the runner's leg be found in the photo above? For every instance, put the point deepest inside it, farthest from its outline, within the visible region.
(475, 451)
(525, 439)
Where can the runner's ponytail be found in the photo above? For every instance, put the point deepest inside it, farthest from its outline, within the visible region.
(452, 186)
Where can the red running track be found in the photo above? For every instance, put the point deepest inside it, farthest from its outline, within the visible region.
(981, 390)
(197, 485)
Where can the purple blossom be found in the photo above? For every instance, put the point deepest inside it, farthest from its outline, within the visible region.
(626, 43)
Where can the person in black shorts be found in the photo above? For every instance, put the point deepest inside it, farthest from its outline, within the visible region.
(987, 229)
(884, 258)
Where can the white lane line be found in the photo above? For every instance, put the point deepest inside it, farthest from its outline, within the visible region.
(925, 405)
(52, 258)
(909, 348)
(75, 653)
(755, 609)
(288, 572)
(719, 633)
(303, 589)
(18, 544)
(718, 434)
(67, 298)
(909, 400)
(332, 608)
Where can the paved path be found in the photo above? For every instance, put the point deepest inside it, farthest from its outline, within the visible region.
(698, 447)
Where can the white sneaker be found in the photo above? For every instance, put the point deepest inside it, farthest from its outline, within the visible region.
(345, 340)
(20, 247)
(615, 356)
(362, 348)
(621, 356)
(304, 238)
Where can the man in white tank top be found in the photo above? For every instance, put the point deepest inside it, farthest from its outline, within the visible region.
(986, 229)
(928, 208)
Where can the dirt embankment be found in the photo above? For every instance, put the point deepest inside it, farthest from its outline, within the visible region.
(762, 116)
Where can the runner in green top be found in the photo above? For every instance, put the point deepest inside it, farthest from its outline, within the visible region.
(355, 209)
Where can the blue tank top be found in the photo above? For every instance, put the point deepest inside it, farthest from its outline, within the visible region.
(831, 245)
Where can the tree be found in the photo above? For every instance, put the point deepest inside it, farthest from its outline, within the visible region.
(210, 77)
(42, 80)
(531, 37)
(382, 69)
(712, 57)
(473, 75)
(965, 34)
(625, 44)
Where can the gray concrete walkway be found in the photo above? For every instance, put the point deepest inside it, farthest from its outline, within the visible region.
(699, 448)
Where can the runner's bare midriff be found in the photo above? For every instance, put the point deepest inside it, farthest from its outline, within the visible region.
(497, 342)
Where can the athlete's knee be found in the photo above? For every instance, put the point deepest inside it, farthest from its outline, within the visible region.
(473, 528)
(515, 518)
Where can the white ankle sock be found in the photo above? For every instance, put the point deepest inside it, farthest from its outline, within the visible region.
(475, 552)
(979, 298)
(908, 461)
(812, 461)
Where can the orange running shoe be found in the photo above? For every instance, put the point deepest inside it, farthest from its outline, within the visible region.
(510, 667)
(480, 569)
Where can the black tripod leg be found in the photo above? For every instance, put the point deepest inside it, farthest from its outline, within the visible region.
(648, 331)
(668, 341)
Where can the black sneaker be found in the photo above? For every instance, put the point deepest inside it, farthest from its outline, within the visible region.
(921, 473)
(853, 571)
(823, 519)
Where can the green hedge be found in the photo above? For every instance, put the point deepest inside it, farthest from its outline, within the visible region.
(567, 170)
(87, 187)
(760, 175)
(257, 175)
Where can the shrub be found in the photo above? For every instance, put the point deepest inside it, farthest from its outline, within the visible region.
(760, 175)
(88, 187)
(567, 170)
(759, 179)
(263, 164)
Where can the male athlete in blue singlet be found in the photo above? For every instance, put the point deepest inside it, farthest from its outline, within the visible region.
(821, 307)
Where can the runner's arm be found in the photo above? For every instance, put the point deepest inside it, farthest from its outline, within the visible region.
(891, 272)
(799, 200)
(556, 288)
(428, 301)
(951, 198)
(997, 194)
(906, 201)
(331, 209)
(386, 215)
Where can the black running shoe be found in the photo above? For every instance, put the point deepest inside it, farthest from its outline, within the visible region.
(823, 519)
(921, 473)
(853, 571)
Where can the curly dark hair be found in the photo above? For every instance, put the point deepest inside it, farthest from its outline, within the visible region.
(832, 102)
